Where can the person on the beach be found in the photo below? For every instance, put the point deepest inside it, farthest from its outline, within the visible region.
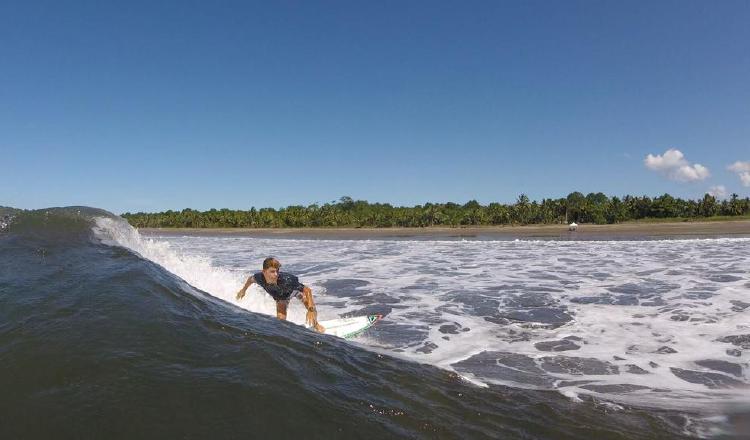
(281, 286)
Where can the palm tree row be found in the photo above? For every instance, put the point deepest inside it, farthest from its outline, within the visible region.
(346, 212)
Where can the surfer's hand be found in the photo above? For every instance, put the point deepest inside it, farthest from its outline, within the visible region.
(240, 294)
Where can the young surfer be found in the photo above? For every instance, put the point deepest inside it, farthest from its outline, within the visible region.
(281, 286)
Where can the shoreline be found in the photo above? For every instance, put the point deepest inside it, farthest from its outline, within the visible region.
(621, 231)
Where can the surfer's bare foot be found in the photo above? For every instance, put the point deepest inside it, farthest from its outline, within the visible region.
(319, 328)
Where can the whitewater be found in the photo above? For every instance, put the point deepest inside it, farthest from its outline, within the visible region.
(660, 323)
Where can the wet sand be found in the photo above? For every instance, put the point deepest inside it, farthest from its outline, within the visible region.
(624, 231)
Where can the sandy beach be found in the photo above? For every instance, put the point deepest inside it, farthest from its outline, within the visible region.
(624, 231)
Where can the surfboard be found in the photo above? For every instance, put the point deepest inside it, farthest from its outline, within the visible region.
(348, 328)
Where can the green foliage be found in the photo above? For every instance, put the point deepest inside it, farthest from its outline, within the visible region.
(347, 212)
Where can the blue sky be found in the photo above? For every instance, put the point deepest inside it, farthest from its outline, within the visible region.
(144, 106)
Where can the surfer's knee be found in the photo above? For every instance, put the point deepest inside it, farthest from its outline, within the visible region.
(281, 309)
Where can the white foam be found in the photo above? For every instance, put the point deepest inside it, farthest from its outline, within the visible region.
(196, 268)
(420, 276)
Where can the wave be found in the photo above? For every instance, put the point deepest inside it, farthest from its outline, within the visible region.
(99, 340)
(649, 325)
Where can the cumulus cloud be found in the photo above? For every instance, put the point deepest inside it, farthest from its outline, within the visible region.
(718, 191)
(674, 165)
(743, 171)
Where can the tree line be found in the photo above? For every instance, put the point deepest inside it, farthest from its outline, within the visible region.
(592, 208)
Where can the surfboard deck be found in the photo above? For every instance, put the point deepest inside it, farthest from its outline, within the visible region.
(348, 328)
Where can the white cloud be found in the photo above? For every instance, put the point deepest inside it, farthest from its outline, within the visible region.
(674, 165)
(718, 191)
(670, 159)
(743, 171)
(739, 167)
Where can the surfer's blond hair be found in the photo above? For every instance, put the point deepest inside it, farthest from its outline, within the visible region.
(271, 262)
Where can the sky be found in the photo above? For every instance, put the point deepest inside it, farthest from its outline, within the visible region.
(148, 106)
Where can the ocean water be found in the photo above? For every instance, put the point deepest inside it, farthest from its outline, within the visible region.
(110, 333)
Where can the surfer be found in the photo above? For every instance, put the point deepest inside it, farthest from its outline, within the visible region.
(281, 286)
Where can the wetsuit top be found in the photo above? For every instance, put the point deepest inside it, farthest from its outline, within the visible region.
(285, 285)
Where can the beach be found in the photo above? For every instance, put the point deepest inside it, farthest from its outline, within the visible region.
(621, 231)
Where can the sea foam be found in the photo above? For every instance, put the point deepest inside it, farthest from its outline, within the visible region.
(647, 322)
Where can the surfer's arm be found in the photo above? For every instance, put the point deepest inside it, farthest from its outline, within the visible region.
(312, 313)
(248, 283)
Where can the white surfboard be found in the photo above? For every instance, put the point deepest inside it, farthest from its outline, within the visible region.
(349, 327)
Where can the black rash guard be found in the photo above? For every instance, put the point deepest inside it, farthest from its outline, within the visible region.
(284, 287)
